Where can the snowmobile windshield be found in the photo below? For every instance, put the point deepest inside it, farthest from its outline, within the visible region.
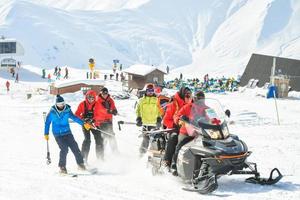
(207, 118)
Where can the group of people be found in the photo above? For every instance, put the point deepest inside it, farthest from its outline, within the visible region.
(178, 109)
(208, 84)
(94, 114)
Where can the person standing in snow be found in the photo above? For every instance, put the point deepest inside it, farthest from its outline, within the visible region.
(17, 78)
(86, 112)
(44, 73)
(55, 71)
(59, 116)
(7, 84)
(148, 115)
(104, 116)
(66, 73)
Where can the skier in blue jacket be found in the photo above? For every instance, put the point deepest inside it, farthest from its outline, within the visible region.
(59, 115)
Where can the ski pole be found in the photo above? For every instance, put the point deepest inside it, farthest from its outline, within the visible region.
(106, 133)
(123, 122)
(48, 152)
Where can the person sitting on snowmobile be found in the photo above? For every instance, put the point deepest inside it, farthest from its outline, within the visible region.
(59, 115)
(148, 115)
(85, 111)
(104, 117)
(181, 98)
(197, 107)
(162, 102)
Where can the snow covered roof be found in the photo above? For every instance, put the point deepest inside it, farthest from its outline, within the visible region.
(141, 69)
(65, 83)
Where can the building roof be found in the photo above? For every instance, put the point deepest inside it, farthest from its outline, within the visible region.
(65, 83)
(141, 69)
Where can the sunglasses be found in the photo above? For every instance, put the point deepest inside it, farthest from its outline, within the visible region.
(187, 95)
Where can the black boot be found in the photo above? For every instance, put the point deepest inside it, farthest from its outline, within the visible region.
(174, 169)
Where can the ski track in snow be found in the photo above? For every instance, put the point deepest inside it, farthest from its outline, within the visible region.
(25, 175)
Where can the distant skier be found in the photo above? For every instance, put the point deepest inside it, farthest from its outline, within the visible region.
(43, 73)
(66, 73)
(58, 75)
(17, 78)
(49, 77)
(181, 76)
(117, 76)
(12, 71)
(59, 116)
(7, 84)
(55, 71)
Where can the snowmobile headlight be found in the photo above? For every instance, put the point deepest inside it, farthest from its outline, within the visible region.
(213, 134)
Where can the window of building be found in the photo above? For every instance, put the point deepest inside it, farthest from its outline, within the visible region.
(8, 47)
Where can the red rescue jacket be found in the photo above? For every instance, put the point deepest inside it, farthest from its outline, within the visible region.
(103, 113)
(172, 109)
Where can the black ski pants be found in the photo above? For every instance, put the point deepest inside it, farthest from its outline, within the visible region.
(86, 144)
(171, 146)
(65, 142)
(182, 140)
(108, 134)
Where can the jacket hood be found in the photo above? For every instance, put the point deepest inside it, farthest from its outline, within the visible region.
(90, 93)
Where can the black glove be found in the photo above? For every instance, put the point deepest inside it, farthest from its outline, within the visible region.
(184, 118)
(114, 112)
(139, 121)
(89, 120)
(158, 122)
(227, 112)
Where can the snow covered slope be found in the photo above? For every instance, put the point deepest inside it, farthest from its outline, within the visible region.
(209, 36)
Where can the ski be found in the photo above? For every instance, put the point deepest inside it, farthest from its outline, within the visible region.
(87, 172)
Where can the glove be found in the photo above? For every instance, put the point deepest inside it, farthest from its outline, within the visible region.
(87, 126)
(46, 137)
(88, 120)
(184, 118)
(227, 112)
(158, 122)
(114, 112)
(139, 121)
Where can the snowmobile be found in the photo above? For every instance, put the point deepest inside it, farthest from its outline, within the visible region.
(212, 153)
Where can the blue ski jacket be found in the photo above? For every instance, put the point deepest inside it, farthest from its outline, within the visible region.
(60, 121)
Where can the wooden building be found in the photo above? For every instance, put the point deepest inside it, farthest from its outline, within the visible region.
(138, 75)
(260, 67)
(74, 86)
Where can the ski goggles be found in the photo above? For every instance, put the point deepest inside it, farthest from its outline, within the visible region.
(91, 98)
(150, 90)
(60, 104)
